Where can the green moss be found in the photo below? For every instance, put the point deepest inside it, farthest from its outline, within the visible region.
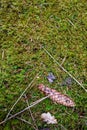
(60, 26)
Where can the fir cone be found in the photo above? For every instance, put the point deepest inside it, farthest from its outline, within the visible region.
(57, 97)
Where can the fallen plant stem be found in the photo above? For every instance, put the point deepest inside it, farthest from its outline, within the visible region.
(26, 122)
(31, 113)
(31, 105)
(71, 23)
(21, 119)
(3, 54)
(63, 60)
(64, 69)
(62, 127)
(83, 117)
(20, 97)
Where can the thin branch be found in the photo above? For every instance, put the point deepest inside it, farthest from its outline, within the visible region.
(20, 97)
(25, 122)
(83, 117)
(31, 105)
(21, 119)
(3, 54)
(63, 60)
(64, 69)
(31, 112)
(62, 127)
(71, 23)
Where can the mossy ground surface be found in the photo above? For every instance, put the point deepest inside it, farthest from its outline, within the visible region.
(61, 27)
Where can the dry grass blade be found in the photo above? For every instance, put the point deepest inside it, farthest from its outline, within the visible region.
(23, 120)
(26, 122)
(31, 113)
(63, 60)
(3, 54)
(62, 127)
(20, 96)
(71, 23)
(64, 69)
(31, 105)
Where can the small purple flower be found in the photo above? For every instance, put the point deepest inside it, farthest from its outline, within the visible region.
(68, 81)
(51, 77)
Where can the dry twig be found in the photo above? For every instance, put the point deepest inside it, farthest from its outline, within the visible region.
(23, 120)
(63, 68)
(31, 113)
(31, 105)
(20, 97)
(63, 60)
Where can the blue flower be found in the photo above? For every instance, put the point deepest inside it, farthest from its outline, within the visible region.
(51, 77)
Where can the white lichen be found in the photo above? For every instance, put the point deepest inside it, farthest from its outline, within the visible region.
(48, 118)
